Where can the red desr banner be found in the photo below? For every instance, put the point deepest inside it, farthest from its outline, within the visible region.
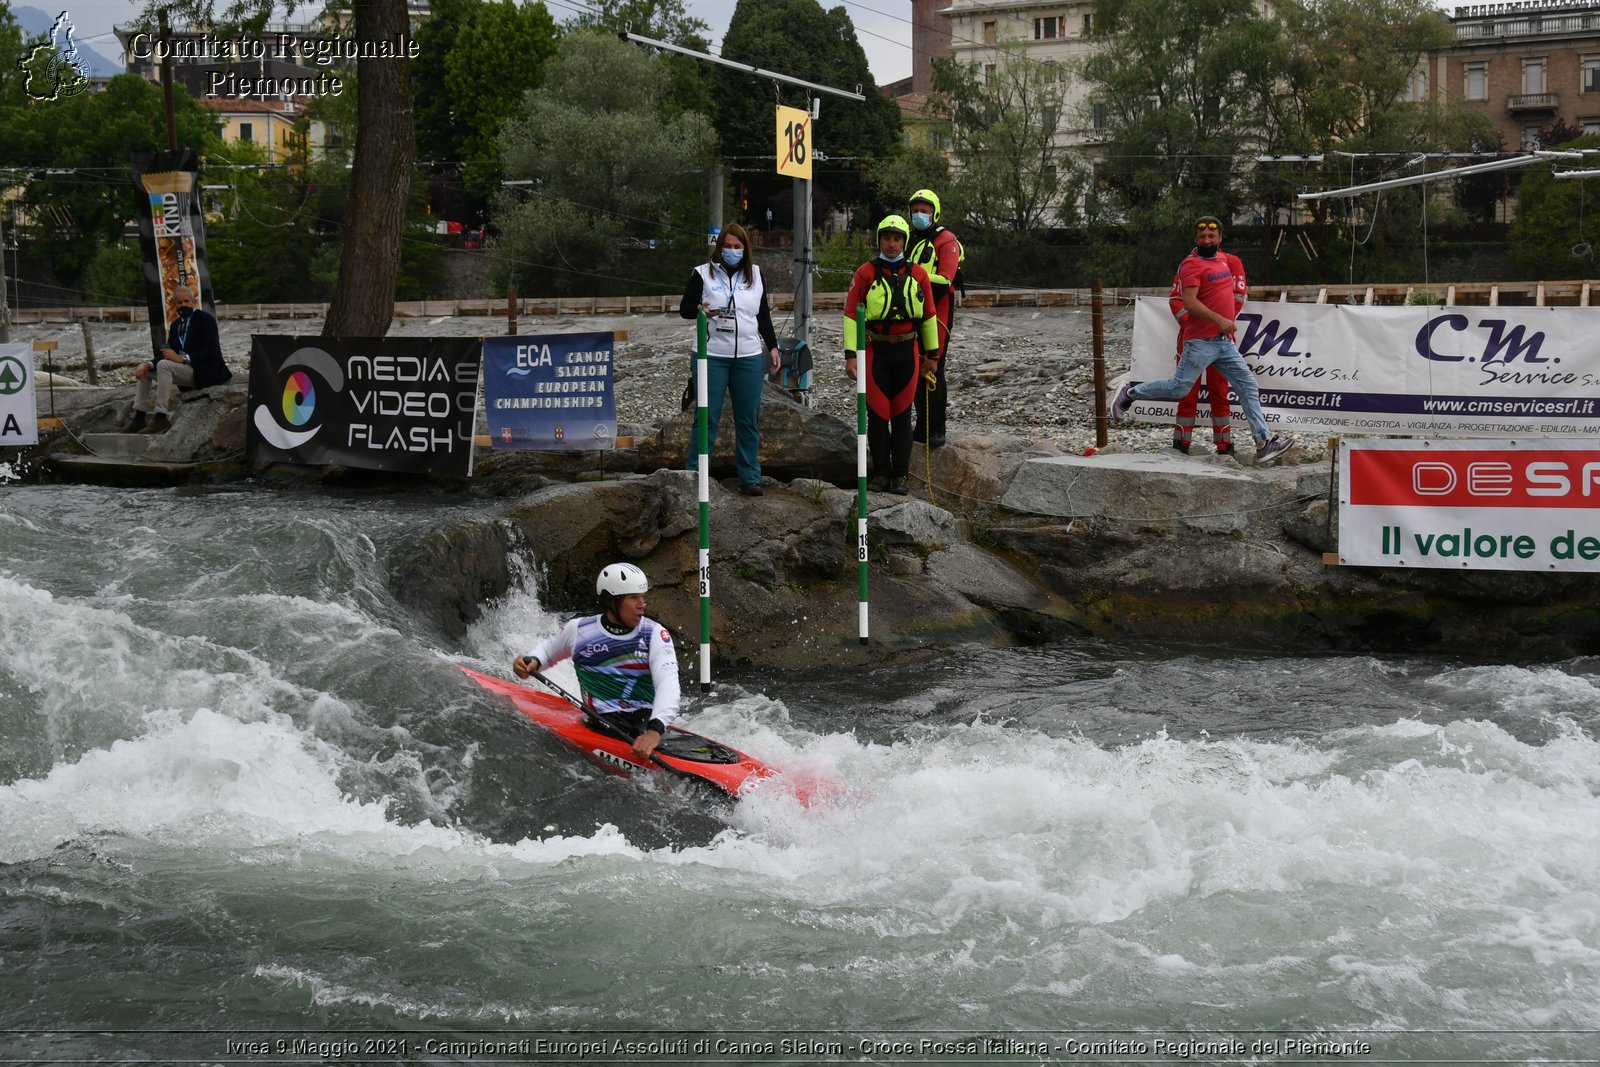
(1444, 478)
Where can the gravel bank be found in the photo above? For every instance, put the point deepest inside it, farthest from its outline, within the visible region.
(1014, 371)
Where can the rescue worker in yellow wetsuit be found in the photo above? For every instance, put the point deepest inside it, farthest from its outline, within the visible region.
(935, 249)
(902, 343)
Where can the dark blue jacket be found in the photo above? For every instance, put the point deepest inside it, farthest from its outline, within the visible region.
(197, 338)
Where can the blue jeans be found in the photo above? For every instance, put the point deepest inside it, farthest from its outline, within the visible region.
(1198, 354)
(745, 378)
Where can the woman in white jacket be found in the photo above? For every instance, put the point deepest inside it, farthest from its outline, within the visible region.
(741, 346)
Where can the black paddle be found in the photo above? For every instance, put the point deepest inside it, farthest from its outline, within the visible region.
(600, 725)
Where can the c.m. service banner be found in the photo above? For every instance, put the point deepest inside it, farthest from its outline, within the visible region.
(551, 392)
(1438, 371)
(379, 403)
(1477, 505)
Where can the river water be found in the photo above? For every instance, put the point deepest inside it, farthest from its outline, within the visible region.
(246, 796)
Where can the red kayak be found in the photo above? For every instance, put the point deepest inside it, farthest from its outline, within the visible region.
(681, 754)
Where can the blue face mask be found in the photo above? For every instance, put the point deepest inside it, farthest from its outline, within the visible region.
(891, 260)
(733, 256)
(919, 221)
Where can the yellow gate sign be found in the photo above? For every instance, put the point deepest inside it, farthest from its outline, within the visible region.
(794, 142)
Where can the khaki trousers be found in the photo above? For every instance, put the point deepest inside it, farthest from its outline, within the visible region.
(169, 378)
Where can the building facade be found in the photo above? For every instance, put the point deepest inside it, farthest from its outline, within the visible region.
(1525, 64)
(930, 40)
(987, 33)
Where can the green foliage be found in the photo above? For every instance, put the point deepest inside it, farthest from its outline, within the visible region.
(75, 213)
(1170, 81)
(608, 162)
(259, 244)
(1192, 93)
(798, 38)
(115, 275)
(663, 20)
(1556, 223)
(11, 75)
(908, 168)
(1014, 178)
(476, 60)
(838, 257)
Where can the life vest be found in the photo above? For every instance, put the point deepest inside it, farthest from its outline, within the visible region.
(924, 252)
(894, 302)
(731, 323)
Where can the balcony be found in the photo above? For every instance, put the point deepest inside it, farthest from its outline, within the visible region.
(1533, 102)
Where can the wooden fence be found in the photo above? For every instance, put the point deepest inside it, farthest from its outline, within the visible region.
(1481, 294)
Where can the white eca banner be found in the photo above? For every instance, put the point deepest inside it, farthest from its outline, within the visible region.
(19, 411)
(1435, 371)
(1513, 505)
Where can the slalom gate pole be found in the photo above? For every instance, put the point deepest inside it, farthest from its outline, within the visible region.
(702, 435)
(861, 462)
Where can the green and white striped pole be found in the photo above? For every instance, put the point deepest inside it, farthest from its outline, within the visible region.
(703, 451)
(861, 460)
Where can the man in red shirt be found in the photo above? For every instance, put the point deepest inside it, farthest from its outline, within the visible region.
(1216, 384)
(1206, 333)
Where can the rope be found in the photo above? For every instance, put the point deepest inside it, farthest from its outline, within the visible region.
(927, 435)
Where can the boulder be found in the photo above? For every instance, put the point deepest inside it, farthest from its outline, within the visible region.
(796, 442)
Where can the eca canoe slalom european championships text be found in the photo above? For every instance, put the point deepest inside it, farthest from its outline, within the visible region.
(754, 1048)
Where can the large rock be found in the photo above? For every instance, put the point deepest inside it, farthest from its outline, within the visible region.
(1209, 494)
(796, 442)
(784, 575)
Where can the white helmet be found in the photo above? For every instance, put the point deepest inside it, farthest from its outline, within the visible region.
(621, 579)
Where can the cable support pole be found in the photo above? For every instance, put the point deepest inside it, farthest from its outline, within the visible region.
(702, 436)
(1459, 172)
(861, 466)
(760, 72)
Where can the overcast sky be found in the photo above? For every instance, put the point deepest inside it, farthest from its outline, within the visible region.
(882, 26)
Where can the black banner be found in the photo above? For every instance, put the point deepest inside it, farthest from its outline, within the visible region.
(172, 234)
(379, 403)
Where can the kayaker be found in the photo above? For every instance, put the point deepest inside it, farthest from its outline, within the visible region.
(627, 666)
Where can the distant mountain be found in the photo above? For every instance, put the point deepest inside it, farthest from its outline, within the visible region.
(36, 23)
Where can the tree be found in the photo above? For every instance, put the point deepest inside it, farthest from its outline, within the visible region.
(1014, 176)
(1175, 85)
(909, 168)
(82, 199)
(11, 55)
(606, 163)
(380, 179)
(363, 300)
(800, 39)
(1342, 78)
(663, 20)
(1556, 223)
(477, 60)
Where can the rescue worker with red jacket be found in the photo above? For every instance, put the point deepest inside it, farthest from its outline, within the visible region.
(902, 344)
(1216, 384)
(936, 250)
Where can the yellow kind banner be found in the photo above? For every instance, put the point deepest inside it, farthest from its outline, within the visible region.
(795, 132)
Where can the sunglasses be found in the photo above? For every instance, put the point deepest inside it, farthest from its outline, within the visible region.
(1207, 226)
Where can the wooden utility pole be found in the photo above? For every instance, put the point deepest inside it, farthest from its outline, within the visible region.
(1097, 317)
(166, 82)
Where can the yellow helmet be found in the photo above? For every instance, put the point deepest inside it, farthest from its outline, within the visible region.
(931, 197)
(896, 224)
